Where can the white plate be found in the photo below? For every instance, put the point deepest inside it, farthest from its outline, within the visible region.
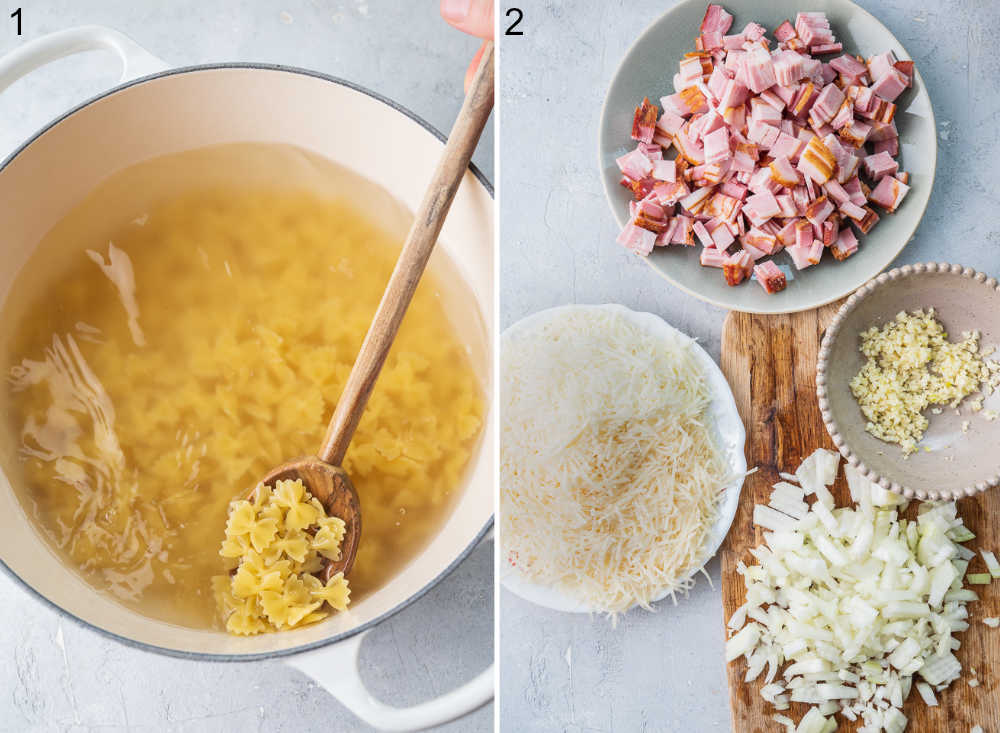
(725, 420)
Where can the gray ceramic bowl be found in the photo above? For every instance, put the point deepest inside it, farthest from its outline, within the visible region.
(958, 464)
(648, 69)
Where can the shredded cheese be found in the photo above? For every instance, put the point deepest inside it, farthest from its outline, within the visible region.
(611, 471)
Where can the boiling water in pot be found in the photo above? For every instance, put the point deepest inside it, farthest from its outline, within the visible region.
(189, 325)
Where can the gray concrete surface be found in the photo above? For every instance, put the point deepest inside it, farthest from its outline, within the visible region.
(57, 676)
(664, 671)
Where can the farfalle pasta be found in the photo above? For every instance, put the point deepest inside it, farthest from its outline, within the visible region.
(275, 544)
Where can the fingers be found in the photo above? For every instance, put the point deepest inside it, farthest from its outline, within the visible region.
(471, 16)
(471, 71)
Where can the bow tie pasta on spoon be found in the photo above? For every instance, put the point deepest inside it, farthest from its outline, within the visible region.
(278, 542)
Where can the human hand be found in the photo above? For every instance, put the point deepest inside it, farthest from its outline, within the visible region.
(474, 17)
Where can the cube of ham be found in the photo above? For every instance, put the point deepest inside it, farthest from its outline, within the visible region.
(789, 67)
(644, 121)
(665, 170)
(761, 206)
(711, 257)
(804, 256)
(703, 236)
(738, 267)
(814, 29)
(636, 239)
(770, 277)
(759, 70)
(817, 162)
(818, 209)
(880, 64)
(890, 85)
(722, 236)
(717, 146)
(849, 66)
(716, 20)
(635, 165)
(846, 244)
(889, 193)
(827, 104)
(784, 31)
(880, 165)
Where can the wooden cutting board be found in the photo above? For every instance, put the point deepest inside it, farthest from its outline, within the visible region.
(770, 362)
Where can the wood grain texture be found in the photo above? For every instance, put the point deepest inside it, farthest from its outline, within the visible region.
(770, 362)
(333, 487)
(420, 241)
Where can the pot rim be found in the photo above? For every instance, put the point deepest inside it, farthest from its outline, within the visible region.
(209, 656)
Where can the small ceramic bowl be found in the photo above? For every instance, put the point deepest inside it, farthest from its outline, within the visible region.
(647, 71)
(724, 417)
(949, 463)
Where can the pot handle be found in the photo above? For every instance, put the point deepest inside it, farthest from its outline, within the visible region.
(136, 61)
(336, 668)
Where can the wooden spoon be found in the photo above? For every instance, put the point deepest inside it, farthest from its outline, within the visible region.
(322, 474)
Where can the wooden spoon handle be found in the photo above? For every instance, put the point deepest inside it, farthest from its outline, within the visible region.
(412, 260)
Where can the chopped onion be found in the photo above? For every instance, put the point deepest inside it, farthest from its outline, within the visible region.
(991, 563)
(930, 699)
(849, 604)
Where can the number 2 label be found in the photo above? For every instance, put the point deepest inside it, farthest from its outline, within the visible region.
(518, 17)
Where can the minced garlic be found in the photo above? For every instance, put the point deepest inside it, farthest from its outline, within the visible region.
(911, 366)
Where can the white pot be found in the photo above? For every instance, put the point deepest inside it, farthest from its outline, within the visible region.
(168, 111)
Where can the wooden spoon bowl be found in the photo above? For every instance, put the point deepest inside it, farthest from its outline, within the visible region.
(331, 485)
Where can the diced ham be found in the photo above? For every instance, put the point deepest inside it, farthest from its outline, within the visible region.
(849, 66)
(880, 64)
(682, 233)
(889, 193)
(669, 123)
(716, 20)
(644, 121)
(637, 239)
(783, 172)
(784, 31)
(701, 232)
(836, 192)
(734, 42)
(738, 267)
(774, 148)
(788, 67)
(814, 29)
(852, 211)
(711, 257)
(807, 255)
(870, 220)
(880, 165)
(717, 146)
(759, 70)
(827, 104)
(786, 146)
(818, 209)
(758, 239)
(906, 67)
(635, 165)
(770, 277)
(855, 133)
(817, 162)
(890, 85)
(761, 206)
(846, 244)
